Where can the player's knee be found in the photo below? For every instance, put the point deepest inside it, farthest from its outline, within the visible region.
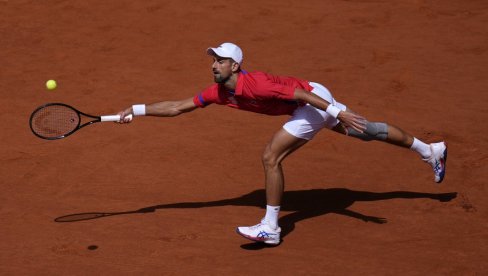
(374, 131)
(269, 159)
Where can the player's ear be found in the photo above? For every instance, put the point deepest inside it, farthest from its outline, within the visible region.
(235, 67)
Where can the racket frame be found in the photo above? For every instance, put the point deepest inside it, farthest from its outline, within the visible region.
(78, 127)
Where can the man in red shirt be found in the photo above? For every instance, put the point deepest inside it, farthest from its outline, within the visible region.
(311, 107)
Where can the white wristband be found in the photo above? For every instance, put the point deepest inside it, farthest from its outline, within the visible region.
(333, 110)
(139, 109)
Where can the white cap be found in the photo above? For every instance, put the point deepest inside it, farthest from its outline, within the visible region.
(227, 50)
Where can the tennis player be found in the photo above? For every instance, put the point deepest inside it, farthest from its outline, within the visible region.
(311, 107)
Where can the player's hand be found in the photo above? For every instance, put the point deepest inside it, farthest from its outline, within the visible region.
(352, 120)
(123, 116)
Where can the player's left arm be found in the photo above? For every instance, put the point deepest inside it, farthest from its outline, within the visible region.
(347, 118)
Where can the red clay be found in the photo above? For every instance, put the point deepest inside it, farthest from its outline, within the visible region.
(173, 190)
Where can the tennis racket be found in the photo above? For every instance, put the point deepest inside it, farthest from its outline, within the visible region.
(57, 120)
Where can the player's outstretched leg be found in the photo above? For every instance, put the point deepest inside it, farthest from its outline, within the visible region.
(435, 154)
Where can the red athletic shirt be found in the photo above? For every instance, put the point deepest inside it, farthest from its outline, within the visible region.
(256, 92)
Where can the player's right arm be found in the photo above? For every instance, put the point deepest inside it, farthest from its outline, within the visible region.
(347, 118)
(170, 108)
(163, 109)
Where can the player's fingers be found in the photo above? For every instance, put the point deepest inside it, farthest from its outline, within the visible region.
(358, 127)
(122, 119)
(360, 122)
(359, 117)
(128, 118)
(362, 125)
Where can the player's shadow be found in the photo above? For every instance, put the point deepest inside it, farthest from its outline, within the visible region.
(302, 204)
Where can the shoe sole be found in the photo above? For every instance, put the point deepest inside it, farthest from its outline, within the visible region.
(441, 175)
(444, 156)
(270, 242)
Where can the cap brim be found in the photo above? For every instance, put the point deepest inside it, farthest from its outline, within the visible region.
(217, 52)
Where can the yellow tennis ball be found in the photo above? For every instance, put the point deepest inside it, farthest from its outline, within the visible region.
(51, 84)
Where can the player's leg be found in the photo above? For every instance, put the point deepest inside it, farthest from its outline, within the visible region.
(434, 154)
(381, 132)
(302, 127)
(281, 145)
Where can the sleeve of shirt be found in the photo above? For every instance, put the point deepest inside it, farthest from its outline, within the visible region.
(206, 97)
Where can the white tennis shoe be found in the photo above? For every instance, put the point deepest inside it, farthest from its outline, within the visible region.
(438, 160)
(261, 232)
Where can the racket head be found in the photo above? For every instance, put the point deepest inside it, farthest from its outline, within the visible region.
(54, 121)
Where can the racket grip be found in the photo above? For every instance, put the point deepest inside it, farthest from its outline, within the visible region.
(114, 118)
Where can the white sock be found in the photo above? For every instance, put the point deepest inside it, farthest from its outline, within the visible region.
(421, 148)
(272, 213)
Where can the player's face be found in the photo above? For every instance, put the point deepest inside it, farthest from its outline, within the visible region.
(222, 69)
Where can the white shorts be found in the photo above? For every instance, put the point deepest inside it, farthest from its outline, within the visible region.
(307, 120)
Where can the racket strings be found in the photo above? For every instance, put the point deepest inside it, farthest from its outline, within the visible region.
(54, 121)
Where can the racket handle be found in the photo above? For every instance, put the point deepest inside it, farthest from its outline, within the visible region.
(114, 118)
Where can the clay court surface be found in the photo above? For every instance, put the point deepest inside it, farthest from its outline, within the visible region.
(176, 188)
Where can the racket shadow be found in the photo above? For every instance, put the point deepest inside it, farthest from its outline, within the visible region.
(92, 215)
(299, 205)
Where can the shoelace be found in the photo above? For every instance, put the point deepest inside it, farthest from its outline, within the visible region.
(437, 167)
